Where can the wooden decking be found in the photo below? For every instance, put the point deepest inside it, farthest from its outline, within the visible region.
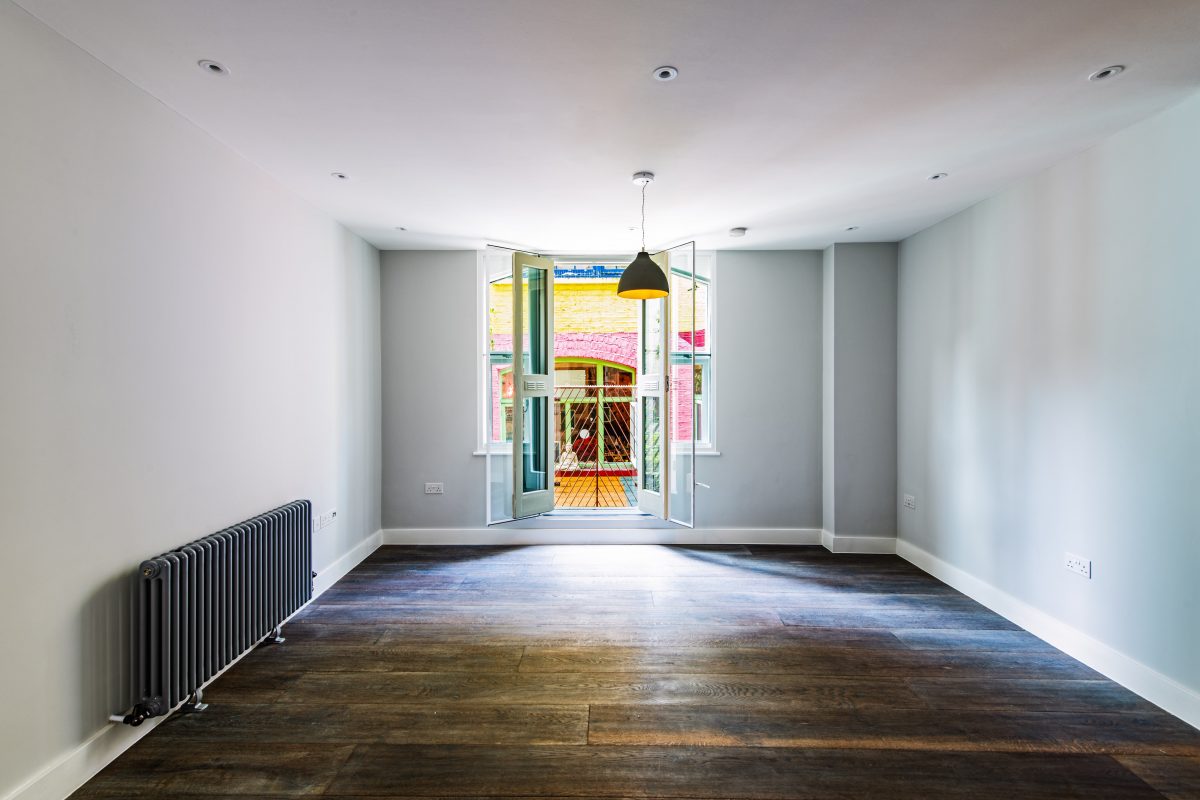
(594, 491)
(726, 672)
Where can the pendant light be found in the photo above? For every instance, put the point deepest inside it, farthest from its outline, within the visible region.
(643, 279)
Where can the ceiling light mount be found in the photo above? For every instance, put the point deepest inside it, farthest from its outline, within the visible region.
(643, 279)
(212, 67)
(737, 233)
(1106, 73)
(665, 73)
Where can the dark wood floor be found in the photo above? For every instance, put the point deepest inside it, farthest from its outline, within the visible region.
(723, 672)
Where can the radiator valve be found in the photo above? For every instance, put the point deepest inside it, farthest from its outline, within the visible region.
(149, 707)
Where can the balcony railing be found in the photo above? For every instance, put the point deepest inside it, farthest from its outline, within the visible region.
(593, 447)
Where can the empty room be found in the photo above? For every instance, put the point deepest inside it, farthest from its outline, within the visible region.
(713, 399)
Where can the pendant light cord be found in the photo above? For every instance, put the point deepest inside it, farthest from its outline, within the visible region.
(643, 217)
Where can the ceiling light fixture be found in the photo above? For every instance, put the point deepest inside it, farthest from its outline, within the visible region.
(1107, 72)
(400, 228)
(341, 176)
(643, 279)
(937, 176)
(665, 73)
(852, 228)
(737, 232)
(212, 67)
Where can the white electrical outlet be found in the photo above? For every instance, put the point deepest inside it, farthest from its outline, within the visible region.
(325, 520)
(1079, 564)
(910, 502)
(435, 488)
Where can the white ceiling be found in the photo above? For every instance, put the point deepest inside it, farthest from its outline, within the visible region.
(520, 121)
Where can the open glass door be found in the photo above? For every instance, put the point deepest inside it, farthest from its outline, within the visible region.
(652, 400)
(681, 388)
(665, 410)
(533, 385)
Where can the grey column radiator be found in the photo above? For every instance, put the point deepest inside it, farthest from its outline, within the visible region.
(202, 605)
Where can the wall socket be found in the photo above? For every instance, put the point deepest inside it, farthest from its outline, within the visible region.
(435, 488)
(326, 519)
(910, 502)
(1079, 564)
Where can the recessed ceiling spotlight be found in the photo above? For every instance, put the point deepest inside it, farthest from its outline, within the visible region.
(1107, 72)
(212, 67)
(400, 228)
(852, 228)
(665, 73)
(341, 176)
(737, 232)
(938, 176)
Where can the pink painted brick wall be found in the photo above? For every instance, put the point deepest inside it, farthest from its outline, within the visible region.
(615, 348)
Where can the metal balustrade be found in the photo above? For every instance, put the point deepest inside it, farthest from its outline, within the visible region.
(593, 447)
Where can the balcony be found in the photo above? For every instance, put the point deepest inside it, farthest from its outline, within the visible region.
(593, 446)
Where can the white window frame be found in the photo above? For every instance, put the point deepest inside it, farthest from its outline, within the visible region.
(487, 262)
(706, 265)
(492, 260)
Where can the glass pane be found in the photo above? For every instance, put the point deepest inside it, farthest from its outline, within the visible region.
(501, 395)
(533, 448)
(701, 379)
(616, 428)
(681, 411)
(500, 314)
(651, 443)
(614, 376)
(499, 462)
(700, 315)
(652, 322)
(682, 382)
(533, 314)
(683, 315)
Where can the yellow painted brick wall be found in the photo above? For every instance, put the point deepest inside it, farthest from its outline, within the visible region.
(593, 308)
(578, 308)
(583, 308)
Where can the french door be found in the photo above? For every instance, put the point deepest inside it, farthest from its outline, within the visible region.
(533, 385)
(520, 410)
(664, 412)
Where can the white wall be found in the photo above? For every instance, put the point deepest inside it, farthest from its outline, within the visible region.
(767, 337)
(430, 386)
(859, 383)
(828, 282)
(768, 377)
(184, 344)
(1049, 379)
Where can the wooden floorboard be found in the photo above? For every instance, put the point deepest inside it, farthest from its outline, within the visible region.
(666, 672)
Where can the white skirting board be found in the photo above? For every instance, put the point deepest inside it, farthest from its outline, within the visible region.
(353, 557)
(1166, 693)
(75, 768)
(500, 534)
(841, 543)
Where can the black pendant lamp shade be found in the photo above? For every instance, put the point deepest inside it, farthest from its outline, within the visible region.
(643, 280)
